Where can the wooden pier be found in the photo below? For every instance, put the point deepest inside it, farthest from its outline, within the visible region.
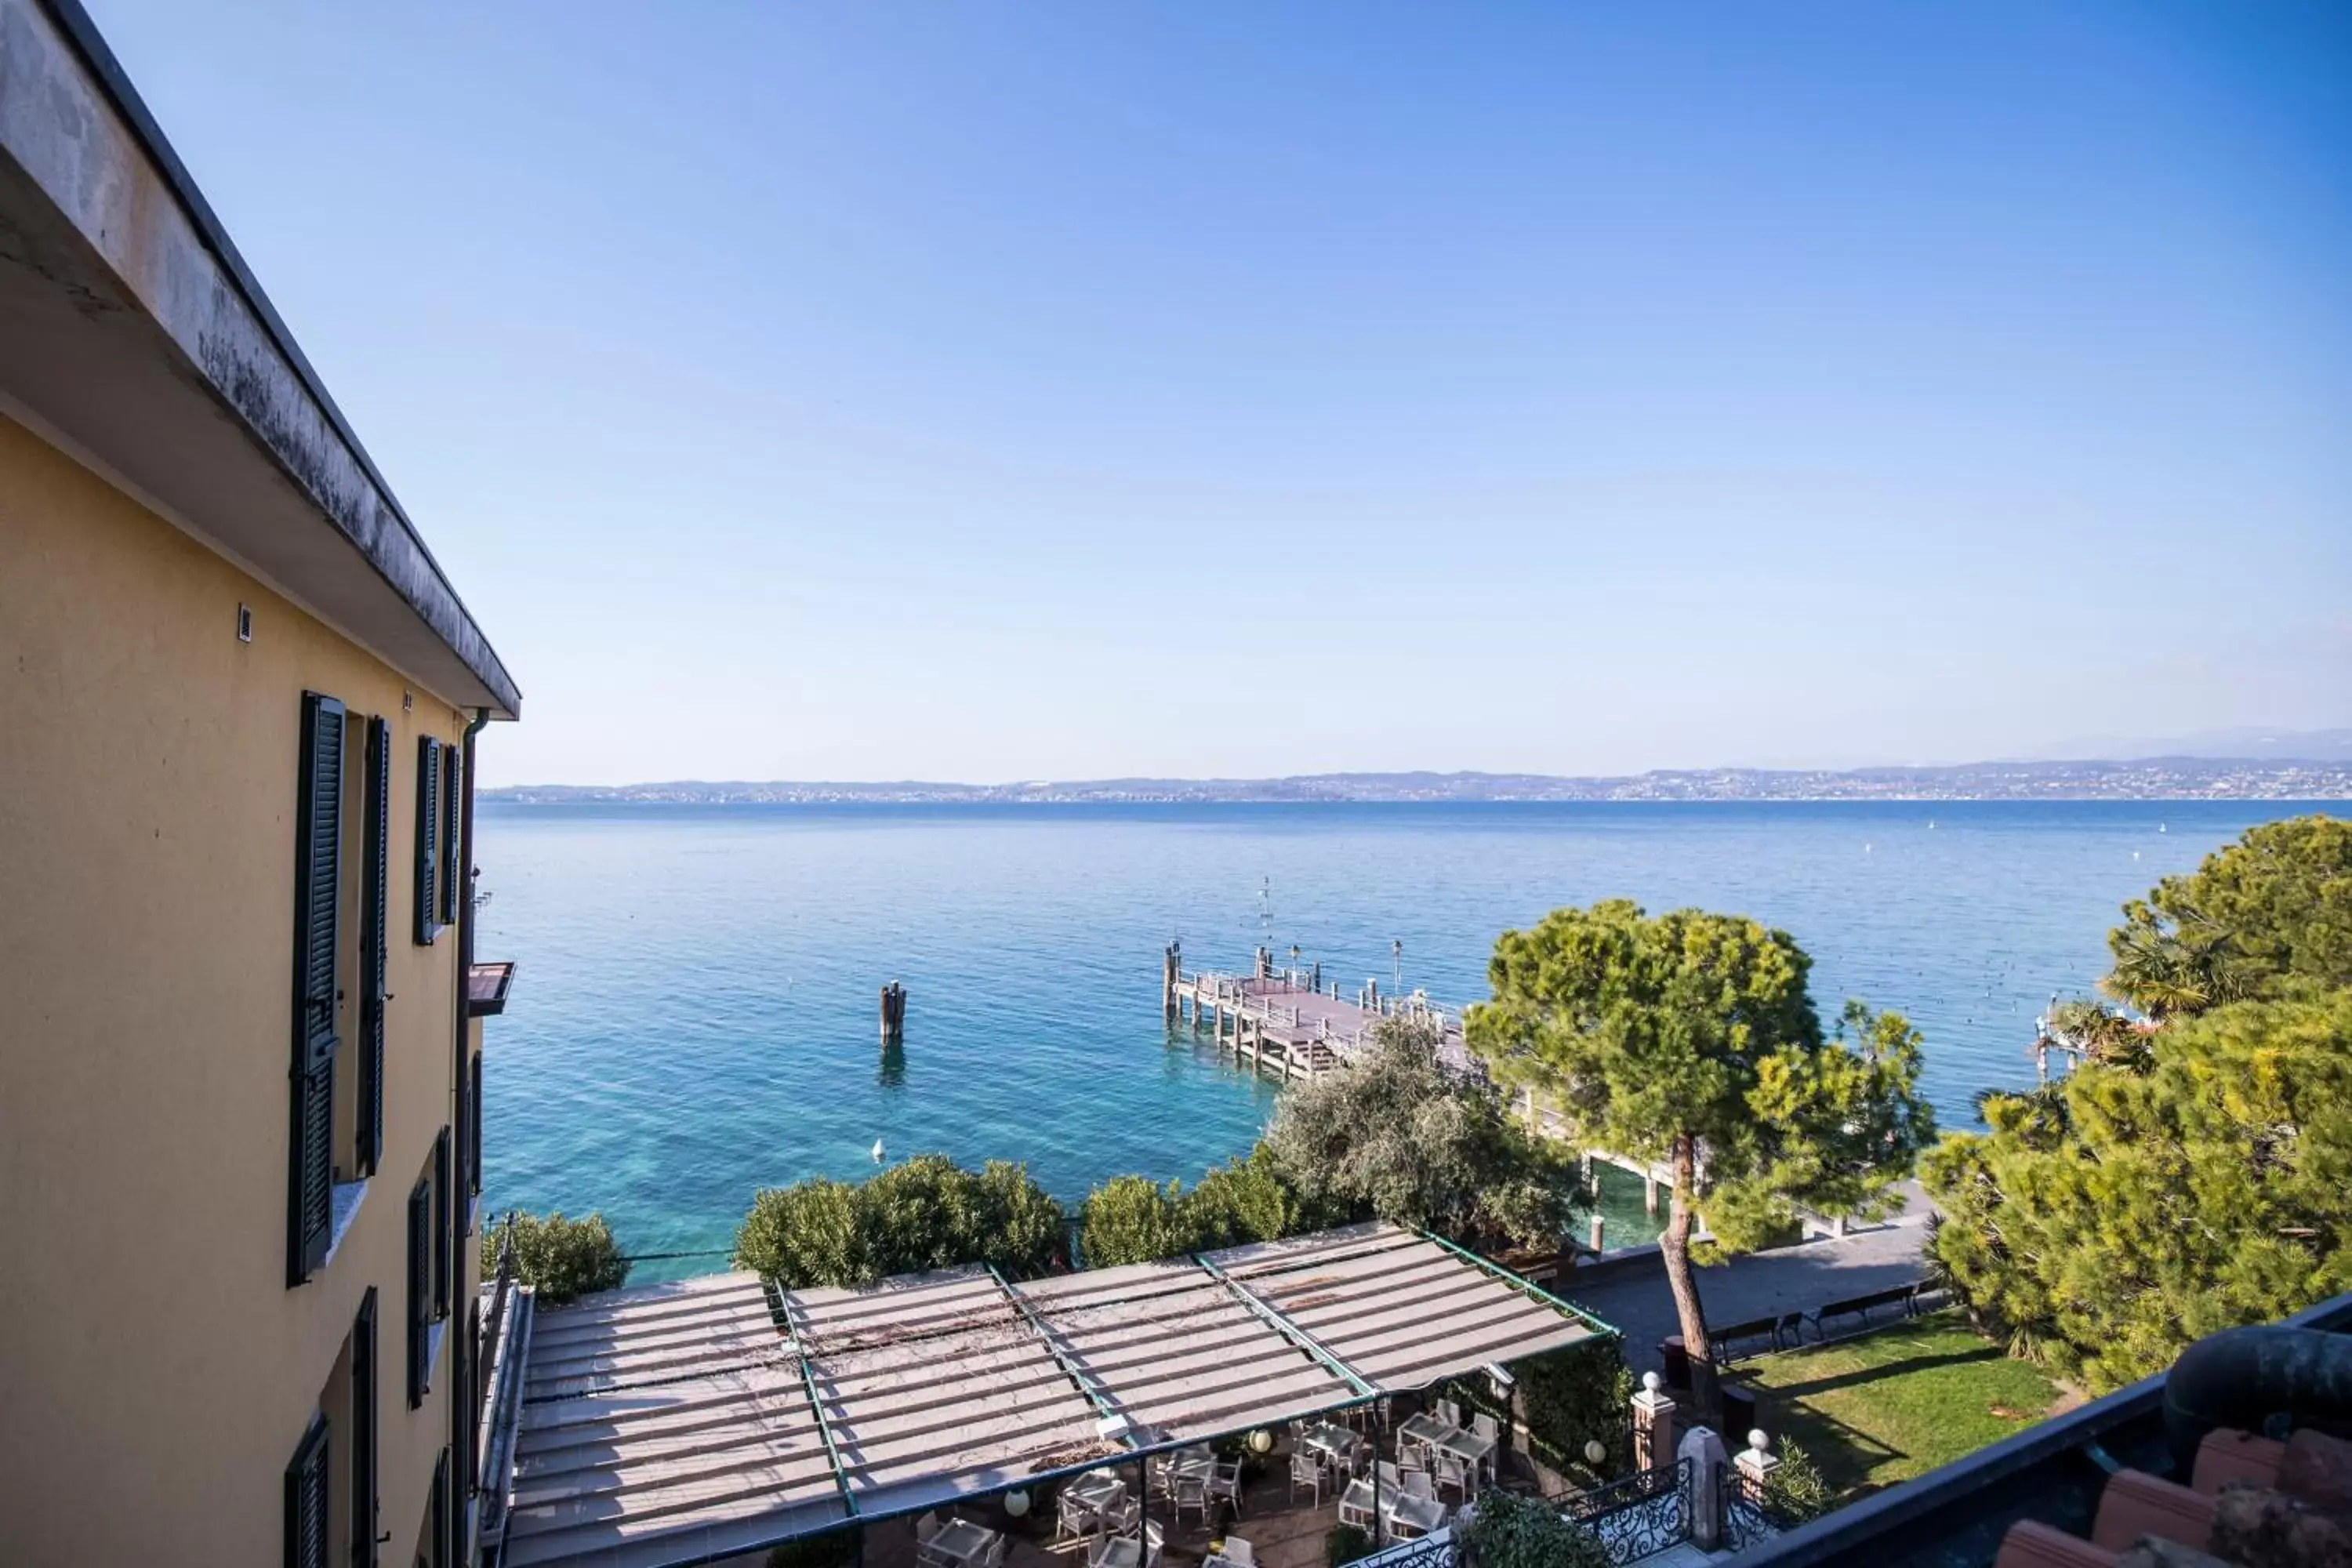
(1288, 1022)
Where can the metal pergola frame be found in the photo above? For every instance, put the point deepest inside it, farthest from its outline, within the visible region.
(803, 1336)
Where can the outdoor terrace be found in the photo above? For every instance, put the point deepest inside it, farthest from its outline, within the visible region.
(715, 1417)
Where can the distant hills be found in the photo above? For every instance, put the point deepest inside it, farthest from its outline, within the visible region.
(2174, 777)
(2244, 744)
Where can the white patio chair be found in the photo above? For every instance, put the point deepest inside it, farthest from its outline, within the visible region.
(1306, 1472)
(1401, 1527)
(1225, 1481)
(1389, 1480)
(1451, 1472)
(1485, 1426)
(1418, 1484)
(992, 1554)
(1239, 1551)
(1072, 1519)
(927, 1526)
(1449, 1412)
(1192, 1492)
(1122, 1516)
(1356, 1505)
(1151, 1539)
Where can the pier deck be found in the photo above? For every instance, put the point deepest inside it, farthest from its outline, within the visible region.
(1289, 1023)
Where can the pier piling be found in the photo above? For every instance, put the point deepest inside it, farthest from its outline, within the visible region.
(894, 1014)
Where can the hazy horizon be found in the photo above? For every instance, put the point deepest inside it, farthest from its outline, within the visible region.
(1005, 392)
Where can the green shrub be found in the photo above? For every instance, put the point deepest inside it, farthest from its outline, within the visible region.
(1507, 1530)
(1133, 1219)
(927, 1213)
(1567, 1399)
(560, 1258)
(1794, 1491)
(1344, 1546)
(1250, 1200)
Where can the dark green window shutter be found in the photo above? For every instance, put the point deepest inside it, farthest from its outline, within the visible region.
(363, 1435)
(442, 1253)
(420, 1293)
(428, 840)
(318, 879)
(474, 1131)
(306, 1500)
(442, 1515)
(375, 919)
(469, 1393)
(453, 834)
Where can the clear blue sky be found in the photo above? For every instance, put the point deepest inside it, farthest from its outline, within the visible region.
(988, 391)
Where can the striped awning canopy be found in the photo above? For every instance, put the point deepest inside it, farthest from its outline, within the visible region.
(677, 1424)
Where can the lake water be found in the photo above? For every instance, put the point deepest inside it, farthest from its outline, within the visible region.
(694, 1015)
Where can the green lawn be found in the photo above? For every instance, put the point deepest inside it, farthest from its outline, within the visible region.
(1887, 1406)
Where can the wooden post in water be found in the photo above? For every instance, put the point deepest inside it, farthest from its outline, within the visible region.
(1171, 966)
(894, 1014)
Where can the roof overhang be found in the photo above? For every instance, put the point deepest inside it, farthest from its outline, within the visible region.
(686, 1423)
(137, 341)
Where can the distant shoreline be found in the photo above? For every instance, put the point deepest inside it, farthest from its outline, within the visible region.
(2144, 779)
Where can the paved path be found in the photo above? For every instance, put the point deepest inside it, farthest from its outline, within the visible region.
(1785, 1279)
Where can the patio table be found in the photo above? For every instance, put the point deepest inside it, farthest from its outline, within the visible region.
(1421, 1513)
(1097, 1490)
(1473, 1451)
(1424, 1429)
(1193, 1464)
(961, 1541)
(1119, 1552)
(1333, 1443)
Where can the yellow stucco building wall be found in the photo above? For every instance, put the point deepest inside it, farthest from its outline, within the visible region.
(156, 1370)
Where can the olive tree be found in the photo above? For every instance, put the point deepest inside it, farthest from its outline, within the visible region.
(1394, 1134)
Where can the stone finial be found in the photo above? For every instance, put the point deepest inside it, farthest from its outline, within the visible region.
(1756, 1462)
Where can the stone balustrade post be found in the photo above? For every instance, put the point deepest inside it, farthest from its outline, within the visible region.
(1654, 1424)
(1755, 1462)
(1708, 1462)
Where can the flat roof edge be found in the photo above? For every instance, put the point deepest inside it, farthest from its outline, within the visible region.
(398, 553)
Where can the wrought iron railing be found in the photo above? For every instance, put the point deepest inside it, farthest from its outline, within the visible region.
(1749, 1515)
(1646, 1512)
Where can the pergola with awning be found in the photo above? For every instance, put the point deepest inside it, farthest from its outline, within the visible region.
(676, 1423)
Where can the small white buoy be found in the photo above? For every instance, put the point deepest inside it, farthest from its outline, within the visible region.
(877, 1150)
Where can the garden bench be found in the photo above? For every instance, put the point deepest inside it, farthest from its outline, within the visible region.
(1904, 1297)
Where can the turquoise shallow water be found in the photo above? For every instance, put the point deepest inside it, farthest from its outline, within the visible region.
(695, 1013)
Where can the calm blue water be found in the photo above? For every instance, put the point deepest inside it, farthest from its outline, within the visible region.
(695, 1013)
